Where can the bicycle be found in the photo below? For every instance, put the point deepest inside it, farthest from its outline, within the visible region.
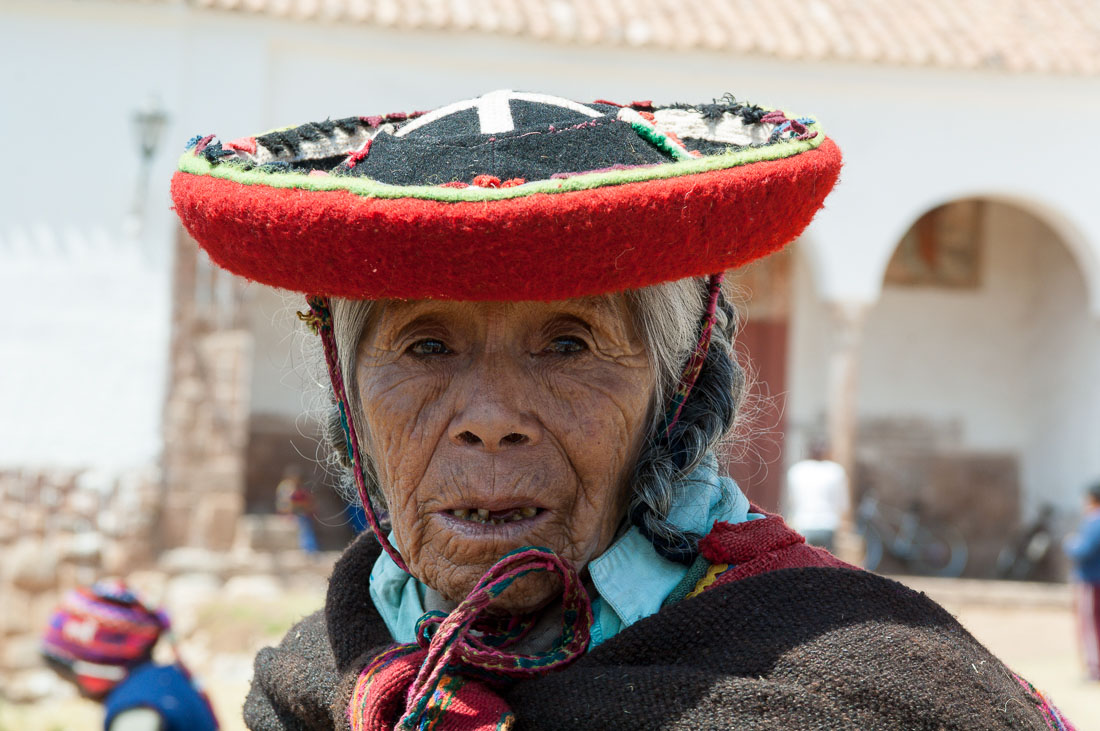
(1028, 548)
(921, 545)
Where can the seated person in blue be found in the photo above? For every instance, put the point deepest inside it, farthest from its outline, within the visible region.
(102, 638)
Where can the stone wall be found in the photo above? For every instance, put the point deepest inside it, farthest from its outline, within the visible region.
(64, 529)
(58, 530)
(206, 432)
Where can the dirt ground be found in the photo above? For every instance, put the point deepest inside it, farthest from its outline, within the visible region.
(1030, 627)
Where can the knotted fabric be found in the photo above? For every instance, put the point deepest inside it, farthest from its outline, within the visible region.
(447, 680)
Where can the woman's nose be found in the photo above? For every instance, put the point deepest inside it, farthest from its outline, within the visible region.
(470, 438)
(493, 425)
(496, 412)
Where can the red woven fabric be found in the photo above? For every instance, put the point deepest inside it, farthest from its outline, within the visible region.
(470, 704)
(759, 546)
(386, 700)
(538, 247)
(475, 707)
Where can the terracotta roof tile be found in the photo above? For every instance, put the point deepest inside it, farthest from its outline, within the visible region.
(1045, 36)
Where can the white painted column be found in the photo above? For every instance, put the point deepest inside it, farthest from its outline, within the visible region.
(842, 409)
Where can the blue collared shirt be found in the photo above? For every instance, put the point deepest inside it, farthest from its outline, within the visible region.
(631, 579)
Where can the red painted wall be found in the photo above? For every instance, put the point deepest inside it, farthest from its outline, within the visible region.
(755, 459)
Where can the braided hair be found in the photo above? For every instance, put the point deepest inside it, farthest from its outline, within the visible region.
(706, 417)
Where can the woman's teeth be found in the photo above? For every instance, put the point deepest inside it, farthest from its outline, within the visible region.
(497, 517)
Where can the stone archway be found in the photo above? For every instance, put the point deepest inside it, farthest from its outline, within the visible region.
(976, 393)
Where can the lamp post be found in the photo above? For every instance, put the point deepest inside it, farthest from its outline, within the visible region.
(149, 122)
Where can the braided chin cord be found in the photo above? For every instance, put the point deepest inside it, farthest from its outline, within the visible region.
(694, 364)
(466, 643)
(449, 641)
(319, 320)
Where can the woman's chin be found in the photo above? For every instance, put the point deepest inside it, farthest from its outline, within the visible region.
(526, 595)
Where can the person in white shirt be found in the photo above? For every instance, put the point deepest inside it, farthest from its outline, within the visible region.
(816, 497)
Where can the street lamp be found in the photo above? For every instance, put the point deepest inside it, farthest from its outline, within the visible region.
(149, 122)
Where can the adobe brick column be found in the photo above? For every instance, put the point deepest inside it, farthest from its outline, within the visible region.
(207, 407)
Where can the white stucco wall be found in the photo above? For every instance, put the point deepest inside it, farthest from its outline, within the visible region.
(809, 340)
(82, 350)
(84, 341)
(1064, 387)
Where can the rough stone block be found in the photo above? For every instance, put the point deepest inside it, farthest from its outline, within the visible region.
(21, 653)
(33, 686)
(192, 560)
(258, 587)
(216, 517)
(15, 611)
(268, 533)
(30, 564)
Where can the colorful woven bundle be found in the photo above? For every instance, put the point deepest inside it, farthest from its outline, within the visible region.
(445, 681)
(99, 632)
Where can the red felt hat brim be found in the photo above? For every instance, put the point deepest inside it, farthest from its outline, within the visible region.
(545, 246)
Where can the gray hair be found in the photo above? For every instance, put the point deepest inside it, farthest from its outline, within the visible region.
(667, 318)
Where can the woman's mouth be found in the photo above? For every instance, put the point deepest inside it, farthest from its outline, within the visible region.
(507, 522)
(494, 517)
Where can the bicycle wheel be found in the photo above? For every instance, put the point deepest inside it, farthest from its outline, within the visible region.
(1006, 563)
(938, 551)
(872, 547)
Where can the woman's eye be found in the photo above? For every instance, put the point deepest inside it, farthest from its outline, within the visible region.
(429, 346)
(566, 345)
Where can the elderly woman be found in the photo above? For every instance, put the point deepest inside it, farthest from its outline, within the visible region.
(519, 299)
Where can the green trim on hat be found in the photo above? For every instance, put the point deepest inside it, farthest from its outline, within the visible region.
(233, 171)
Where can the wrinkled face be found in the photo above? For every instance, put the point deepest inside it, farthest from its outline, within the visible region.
(499, 425)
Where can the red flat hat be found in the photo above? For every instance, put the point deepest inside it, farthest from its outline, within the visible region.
(509, 196)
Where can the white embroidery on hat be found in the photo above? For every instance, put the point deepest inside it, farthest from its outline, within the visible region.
(493, 110)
